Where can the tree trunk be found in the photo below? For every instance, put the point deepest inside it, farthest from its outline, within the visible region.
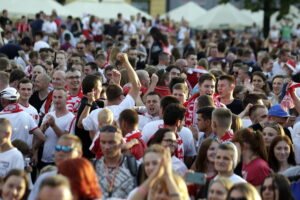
(267, 17)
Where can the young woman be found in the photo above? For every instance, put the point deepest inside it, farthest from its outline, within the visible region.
(15, 185)
(243, 191)
(254, 154)
(281, 154)
(270, 131)
(82, 177)
(260, 81)
(276, 187)
(219, 188)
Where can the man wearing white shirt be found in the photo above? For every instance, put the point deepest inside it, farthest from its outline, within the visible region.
(283, 57)
(25, 88)
(39, 42)
(10, 157)
(115, 98)
(55, 124)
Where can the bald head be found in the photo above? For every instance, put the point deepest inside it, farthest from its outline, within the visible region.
(143, 77)
(59, 79)
(182, 64)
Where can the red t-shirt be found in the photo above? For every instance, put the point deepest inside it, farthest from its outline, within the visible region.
(162, 90)
(256, 171)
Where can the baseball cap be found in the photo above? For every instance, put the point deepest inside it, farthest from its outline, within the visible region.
(9, 93)
(277, 111)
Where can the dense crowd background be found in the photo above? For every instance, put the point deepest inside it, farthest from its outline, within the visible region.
(138, 108)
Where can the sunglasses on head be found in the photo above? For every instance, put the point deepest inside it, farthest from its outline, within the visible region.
(66, 149)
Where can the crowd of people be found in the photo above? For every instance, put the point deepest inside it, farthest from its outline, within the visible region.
(142, 108)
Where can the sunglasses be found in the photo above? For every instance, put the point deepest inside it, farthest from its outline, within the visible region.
(110, 129)
(65, 149)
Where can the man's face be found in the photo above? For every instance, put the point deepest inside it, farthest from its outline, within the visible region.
(202, 123)
(74, 80)
(75, 59)
(284, 58)
(108, 75)
(183, 65)
(36, 71)
(224, 161)
(192, 61)
(152, 105)
(40, 84)
(133, 54)
(277, 85)
(87, 70)
(58, 80)
(57, 193)
(260, 115)
(180, 95)
(60, 155)
(280, 120)
(59, 98)
(174, 73)
(242, 75)
(61, 59)
(224, 88)
(80, 48)
(110, 144)
(207, 87)
(25, 90)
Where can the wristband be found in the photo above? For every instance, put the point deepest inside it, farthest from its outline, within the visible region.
(88, 104)
(142, 190)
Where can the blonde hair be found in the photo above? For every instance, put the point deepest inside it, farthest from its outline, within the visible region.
(105, 117)
(248, 191)
(225, 182)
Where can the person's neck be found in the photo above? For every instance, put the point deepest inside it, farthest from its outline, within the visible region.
(226, 174)
(227, 99)
(113, 162)
(5, 147)
(23, 102)
(61, 111)
(43, 93)
(73, 91)
(208, 132)
(129, 130)
(112, 103)
(284, 165)
(248, 156)
(172, 128)
(210, 168)
(220, 132)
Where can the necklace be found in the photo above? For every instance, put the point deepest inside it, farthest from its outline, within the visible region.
(111, 181)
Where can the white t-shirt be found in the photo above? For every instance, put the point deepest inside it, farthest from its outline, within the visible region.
(31, 111)
(296, 141)
(145, 119)
(90, 123)
(9, 160)
(178, 166)
(278, 69)
(64, 123)
(246, 122)
(22, 125)
(40, 44)
(49, 27)
(234, 179)
(185, 134)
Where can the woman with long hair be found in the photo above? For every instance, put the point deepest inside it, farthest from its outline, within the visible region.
(270, 131)
(260, 82)
(255, 167)
(15, 185)
(160, 44)
(243, 191)
(276, 187)
(281, 154)
(82, 177)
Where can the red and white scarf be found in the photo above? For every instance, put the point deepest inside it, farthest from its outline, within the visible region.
(12, 108)
(133, 135)
(287, 101)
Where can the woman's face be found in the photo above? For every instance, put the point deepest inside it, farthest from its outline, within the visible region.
(217, 192)
(269, 134)
(211, 152)
(282, 151)
(236, 194)
(268, 192)
(258, 82)
(151, 161)
(14, 188)
(170, 141)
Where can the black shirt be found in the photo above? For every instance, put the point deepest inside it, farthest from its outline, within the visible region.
(236, 106)
(36, 102)
(83, 134)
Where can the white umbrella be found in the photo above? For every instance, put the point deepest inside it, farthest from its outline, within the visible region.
(221, 17)
(189, 12)
(257, 17)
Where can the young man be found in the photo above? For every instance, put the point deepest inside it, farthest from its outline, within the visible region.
(226, 85)
(180, 91)
(258, 115)
(25, 89)
(10, 157)
(90, 68)
(67, 147)
(221, 123)
(225, 161)
(115, 165)
(55, 124)
(61, 60)
(74, 90)
(204, 124)
(278, 65)
(163, 60)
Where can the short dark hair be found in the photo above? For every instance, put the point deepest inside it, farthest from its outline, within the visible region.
(206, 112)
(169, 68)
(205, 100)
(173, 113)
(153, 93)
(24, 81)
(175, 80)
(166, 100)
(255, 107)
(93, 65)
(229, 78)
(158, 136)
(16, 74)
(205, 77)
(89, 83)
(251, 98)
(55, 181)
(129, 116)
(113, 92)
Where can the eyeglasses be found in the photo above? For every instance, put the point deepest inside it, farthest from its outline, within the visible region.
(169, 141)
(73, 77)
(110, 129)
(240, 198)
(66, 149)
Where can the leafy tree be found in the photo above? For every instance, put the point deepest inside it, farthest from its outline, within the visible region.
(269, 7)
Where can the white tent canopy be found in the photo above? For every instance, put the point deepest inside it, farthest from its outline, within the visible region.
(293, 15)
(29, 8)
(223, 16)
(107, 9)
(257, 17)
(189, 12)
